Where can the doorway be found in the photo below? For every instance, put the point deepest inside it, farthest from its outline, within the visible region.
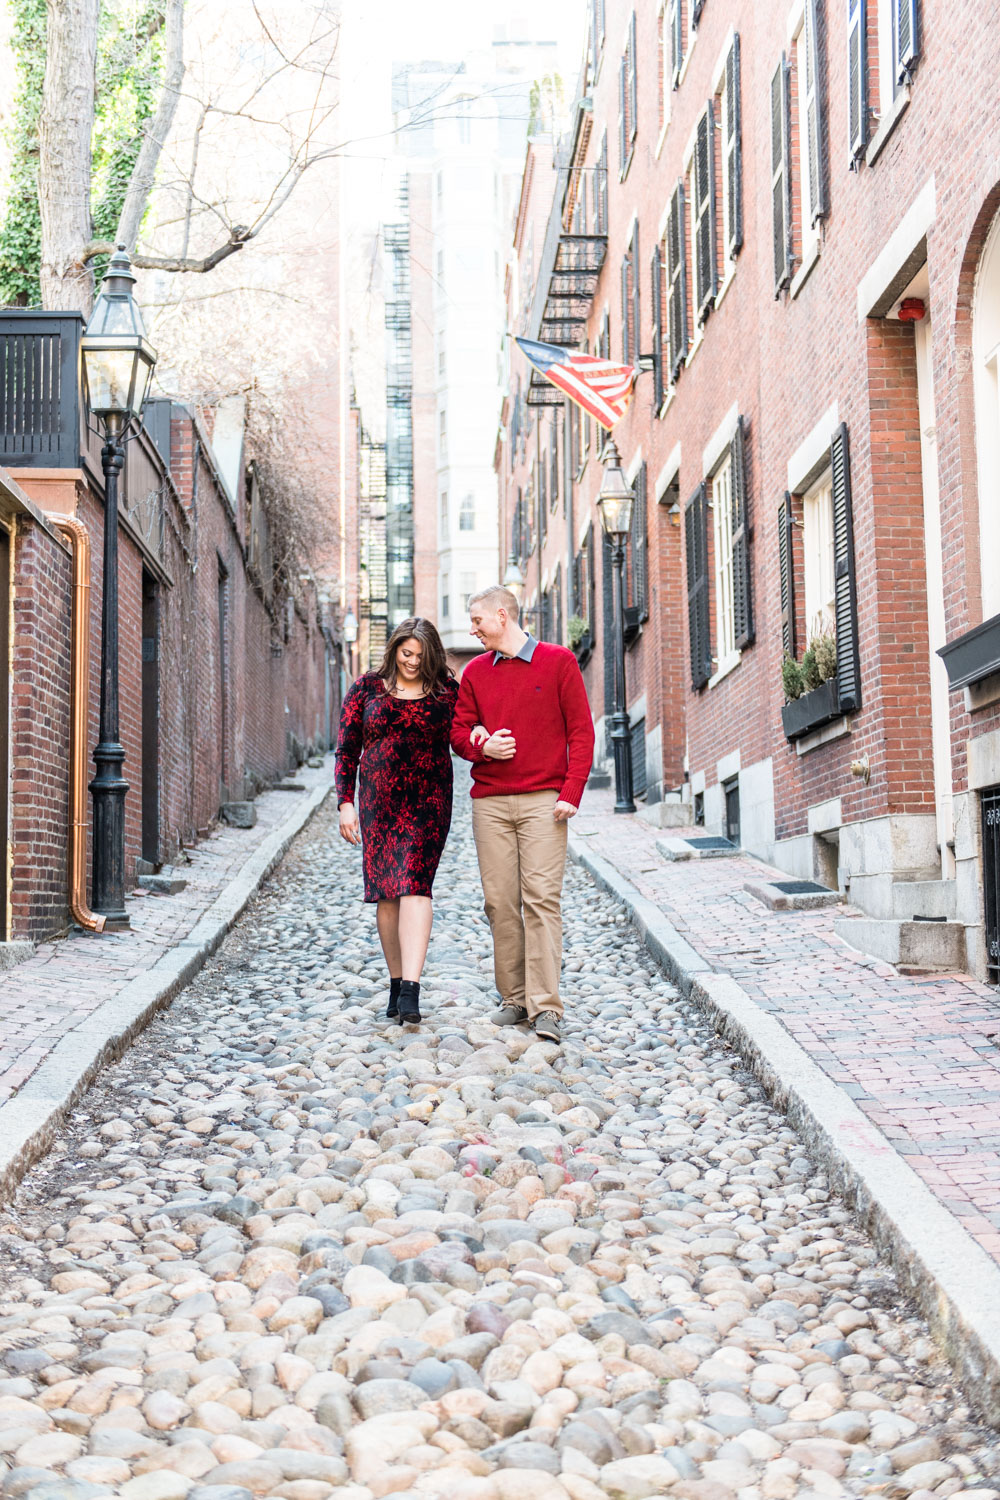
(150, 719)
(223, 683)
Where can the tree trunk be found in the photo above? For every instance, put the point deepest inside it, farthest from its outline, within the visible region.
(64, 163)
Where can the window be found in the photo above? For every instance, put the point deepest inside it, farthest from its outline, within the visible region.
(583, 582)
(439, 185)
(628, 102)
(467, 514)
(897, 36)
(444, 513)
(703, 209)
(661, 354)
(445, 601)
(811, 175)
(722, 541)
(637, 579)
(630, 301)
(601, 188)
(554, 462)
(729, 115)
(665, 59)
(677, 324)
(696, 565)
(466, 587)
(817, 546)
(441, 363)
(603, 348)
(597, 29)
(464, 121)
(443, 432)
(781, 205)
(557, 609)
(675, 40)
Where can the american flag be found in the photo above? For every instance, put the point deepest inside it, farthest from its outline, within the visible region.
(601, 388)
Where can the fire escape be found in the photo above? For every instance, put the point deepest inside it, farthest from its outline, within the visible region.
(399, 420)
(374, 602)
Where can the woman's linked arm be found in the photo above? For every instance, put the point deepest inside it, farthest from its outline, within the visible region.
(467, 720)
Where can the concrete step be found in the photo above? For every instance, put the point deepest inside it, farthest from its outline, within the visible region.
(923, 898)
(667, 814)
(917, 945)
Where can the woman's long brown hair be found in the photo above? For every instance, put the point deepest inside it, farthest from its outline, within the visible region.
(434, 668)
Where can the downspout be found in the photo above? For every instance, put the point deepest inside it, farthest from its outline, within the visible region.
(80, 655)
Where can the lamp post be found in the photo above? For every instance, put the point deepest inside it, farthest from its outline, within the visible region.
(615, 504)
(117, 364)
(513, 579)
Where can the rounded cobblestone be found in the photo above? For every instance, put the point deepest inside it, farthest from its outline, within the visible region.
(288, 1248)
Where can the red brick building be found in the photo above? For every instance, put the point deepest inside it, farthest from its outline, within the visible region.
(774, 206)
(230, 674)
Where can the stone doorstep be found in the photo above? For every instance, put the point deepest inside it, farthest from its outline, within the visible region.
(776, 899)
(163, 884)
(931, 946)
(953, 1280)
(666, 814)
(675, 849)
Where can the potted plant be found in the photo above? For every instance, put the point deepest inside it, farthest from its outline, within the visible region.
(811, 687)
(578, 635)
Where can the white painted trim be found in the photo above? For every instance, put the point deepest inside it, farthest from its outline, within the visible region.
(697, 783)
(725, 667)
(897, 249)
(718, 443)
(668, 473)
(637, 710)
(688, 156)
(635, 464)
(727, 281)
(796, 21)
(812, 450)
(823, 817)
(719, 71)
(833, 731)
(662, 227)
(661, 139)
(810, 257)
(632, 226)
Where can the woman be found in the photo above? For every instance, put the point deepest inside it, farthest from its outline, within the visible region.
(397, 721)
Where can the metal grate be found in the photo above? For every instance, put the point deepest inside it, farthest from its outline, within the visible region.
(800, 888)
(711, 841)
(991, 880)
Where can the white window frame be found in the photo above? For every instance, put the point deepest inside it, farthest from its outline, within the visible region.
(696, 329)
(665, 58)
(445, 596)
(886, 79)
(819, 573)
(726, 654)
(445, 519)
(810, 231)
(721, 102)
(467, 507)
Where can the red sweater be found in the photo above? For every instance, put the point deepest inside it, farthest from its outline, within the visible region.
(543, 703)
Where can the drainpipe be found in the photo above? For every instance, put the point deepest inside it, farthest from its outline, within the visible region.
(80, 653)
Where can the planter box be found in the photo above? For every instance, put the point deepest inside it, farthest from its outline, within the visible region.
(812, 710)
(583, 648)
(972, 656)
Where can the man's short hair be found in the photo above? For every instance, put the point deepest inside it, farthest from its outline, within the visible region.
(497, 597)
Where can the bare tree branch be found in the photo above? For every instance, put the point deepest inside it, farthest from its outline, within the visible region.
(143, 173)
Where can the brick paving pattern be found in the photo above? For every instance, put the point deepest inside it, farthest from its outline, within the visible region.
(919, 1054)
(66, 980)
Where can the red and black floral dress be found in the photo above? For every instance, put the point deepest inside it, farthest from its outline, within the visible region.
(405, 783)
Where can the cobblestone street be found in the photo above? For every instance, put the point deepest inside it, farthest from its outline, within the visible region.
(288, 1248)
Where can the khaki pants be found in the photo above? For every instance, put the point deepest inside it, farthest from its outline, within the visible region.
(522, 856)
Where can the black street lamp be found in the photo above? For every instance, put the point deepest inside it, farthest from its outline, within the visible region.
(117, 364)
(615, 503)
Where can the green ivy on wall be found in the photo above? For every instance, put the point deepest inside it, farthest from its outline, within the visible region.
(129, 67)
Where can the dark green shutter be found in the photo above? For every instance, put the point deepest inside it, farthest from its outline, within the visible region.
(846, 595)
(633, 82)
(622, 122)
(857, 79)
(743, 626)
(696, 550)
(676, 22)
(656, 297)
(697, 6)
(780, 183)
(626, 341)
(640, 548)
(906, 38)
(734, 149)
(786, 571)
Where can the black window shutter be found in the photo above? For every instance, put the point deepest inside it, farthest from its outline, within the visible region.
(846, 595)
(703, 209)
(786, 570)
(608, 625)
(676, 42)
(906, 37)
(780, 186)
(734, 150)
(677, 276)
(635, 298)
(626, 350)
(697, 6)
(814, 114)
(656, 297)
(743, 626)
(696, 548)
(857, 78)
(640, 547)
(622, 123)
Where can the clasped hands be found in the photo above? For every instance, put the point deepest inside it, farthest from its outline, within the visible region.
(501, 745)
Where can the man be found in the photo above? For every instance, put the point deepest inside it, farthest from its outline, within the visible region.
(528, 777)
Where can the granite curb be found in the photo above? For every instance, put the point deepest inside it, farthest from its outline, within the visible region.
(30, 1122)
(952, 1279)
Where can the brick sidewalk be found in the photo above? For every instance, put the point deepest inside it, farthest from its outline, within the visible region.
(919, 1055)
(44, 998)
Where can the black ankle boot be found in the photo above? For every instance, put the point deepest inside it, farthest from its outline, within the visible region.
(393, 1009)
(409, 1002)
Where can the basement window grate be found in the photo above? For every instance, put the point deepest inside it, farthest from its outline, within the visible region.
(800, 887)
